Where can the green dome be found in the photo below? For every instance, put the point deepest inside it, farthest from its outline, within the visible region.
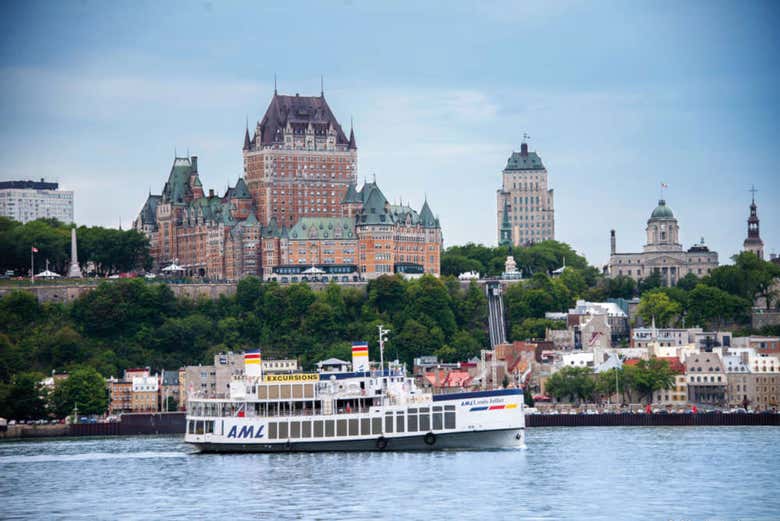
(662, 211)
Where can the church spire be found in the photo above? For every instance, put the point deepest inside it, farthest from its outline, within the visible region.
(753, 242)
(246, 138)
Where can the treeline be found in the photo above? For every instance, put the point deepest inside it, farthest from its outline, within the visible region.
(723, 297)
(111, 251)
(128, 323)
(630, 383)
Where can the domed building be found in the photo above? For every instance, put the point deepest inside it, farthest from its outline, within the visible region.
(662, 253)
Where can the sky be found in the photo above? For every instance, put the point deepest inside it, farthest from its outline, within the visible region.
(617, 97)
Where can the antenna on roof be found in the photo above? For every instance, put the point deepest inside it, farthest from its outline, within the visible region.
(322, 85)
(174, 153)
(274, 84)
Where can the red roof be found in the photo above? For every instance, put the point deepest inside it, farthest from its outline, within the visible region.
(674, 363)
(632, 361)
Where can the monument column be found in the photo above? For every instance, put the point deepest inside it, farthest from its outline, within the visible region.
(74, 271)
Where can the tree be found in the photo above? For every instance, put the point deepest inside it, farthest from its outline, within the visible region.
(572, 383)
(649, 376)
(688, 282)
(657, 305)
(25, 399)
(620, 287)
(83, 388)
(650, 282)
(713, 306)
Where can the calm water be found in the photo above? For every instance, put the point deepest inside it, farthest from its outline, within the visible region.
(728, 473)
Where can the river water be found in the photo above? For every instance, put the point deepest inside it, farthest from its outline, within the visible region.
(647, 473)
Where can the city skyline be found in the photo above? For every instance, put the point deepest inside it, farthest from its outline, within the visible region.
(98, 99)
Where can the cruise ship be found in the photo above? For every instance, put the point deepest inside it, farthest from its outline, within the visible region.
(357, 408)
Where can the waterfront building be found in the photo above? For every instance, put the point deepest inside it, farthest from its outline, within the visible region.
(26, 201)
(753, 242)
(169, 389)
(707, 381)
(525, 211)
(145, 395)
(663, 253)
(296, 208)
(677, 395)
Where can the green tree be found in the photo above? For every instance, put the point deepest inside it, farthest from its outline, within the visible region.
(25, 398)
(650, 282)
(657, 305)
(85, 388)
(713, 306)
(649, 376)
(573, 383)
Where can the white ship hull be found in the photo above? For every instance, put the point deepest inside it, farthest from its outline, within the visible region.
(472, 440)
(472, 420)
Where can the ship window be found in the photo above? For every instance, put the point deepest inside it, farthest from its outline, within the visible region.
(272, 431)
(329, 428)
(318, 429)
(365, 426)
(308, 391)
(273, 392)
(199, 427)
(437, 421)
(353, 427)
(399, 422)
(285, 391)
(297, 391)
(449, 407)
(306, 430)
(191, 427)
(449, 419)
(425, 422)
(411, 423)
(295, 430)
(209, 427)
(341, 427)
(283, 430)
(389, 422)
(376, 425)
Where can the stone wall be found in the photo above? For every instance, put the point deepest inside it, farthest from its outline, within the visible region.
(765, 318)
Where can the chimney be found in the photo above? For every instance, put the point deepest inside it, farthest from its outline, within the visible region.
(211, 192)
(612, 242)
(194, 163)
(524, 149)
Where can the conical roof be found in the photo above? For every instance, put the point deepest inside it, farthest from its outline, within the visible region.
(426, 216)
(352, 195)
(241, 191)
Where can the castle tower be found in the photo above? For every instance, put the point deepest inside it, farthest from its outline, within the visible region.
(753, 242)
(74, 271)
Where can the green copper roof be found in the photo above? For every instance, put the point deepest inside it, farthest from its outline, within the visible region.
(662, 211)
(352, 195)
(178, 186)
(323, 228)
(374, 209)
(241, 191)
(524, 161)
(426, 216)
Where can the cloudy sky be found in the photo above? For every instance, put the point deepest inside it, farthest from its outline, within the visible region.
(616, 96)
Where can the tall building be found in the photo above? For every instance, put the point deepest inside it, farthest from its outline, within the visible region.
(524, 201)
(299, 162)
(753, 242)
(662, 253)
(26, 201)
(296, 215)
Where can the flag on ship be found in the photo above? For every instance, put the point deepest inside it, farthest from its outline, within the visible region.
(360, 356)
(253, 363)
(34, 249)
